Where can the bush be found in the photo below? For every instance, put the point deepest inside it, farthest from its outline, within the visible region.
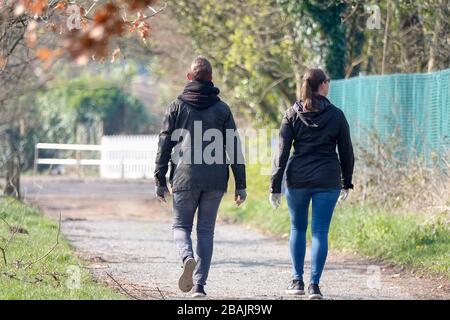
(389, 176)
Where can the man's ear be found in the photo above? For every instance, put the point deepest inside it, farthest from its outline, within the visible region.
(189, 76)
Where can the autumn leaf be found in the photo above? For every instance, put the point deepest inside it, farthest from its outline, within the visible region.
(60, 6)
(144, 30)
(44, 54)
(106, 13)
(139, 4)
(19, 9)
(51, 27)
(36, 7)
(82, 60)
(3, 62)
(115, 54)
(31, 34)
(97, 33)
(141, 26)
(135, 24)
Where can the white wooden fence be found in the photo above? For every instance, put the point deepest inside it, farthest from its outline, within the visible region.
(129, 157)
(121, 157)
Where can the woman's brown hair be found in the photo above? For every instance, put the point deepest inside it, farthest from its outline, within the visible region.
(312, 79)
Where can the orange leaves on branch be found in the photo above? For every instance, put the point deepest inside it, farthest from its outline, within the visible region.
(81, 46)
(94, 39)
(19, 9)
(140, 26)
(109, 18)
(35, 7)
(47, 56)
(31, 34)
(82, 11)
(115, 54)
(60, 6)
(44, 54)
(51, 27)
(137, 21)
(143, 30)
(84, 37)
(135, 5)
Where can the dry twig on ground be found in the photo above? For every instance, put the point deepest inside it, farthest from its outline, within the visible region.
(50, 250)
(121, 287)
(13, 232)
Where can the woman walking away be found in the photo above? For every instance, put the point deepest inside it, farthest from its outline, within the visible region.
(314, 172)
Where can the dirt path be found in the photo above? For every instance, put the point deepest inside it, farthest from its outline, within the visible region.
(122, 230)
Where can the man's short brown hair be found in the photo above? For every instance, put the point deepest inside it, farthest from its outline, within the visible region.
(201, 69)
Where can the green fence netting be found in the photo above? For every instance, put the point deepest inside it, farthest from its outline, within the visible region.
(412, 107)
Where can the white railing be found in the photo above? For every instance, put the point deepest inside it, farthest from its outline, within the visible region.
(121, 157)
(130, 157)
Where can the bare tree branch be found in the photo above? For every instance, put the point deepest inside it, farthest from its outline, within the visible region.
(13, 232)
(50, 250)
(121, 287)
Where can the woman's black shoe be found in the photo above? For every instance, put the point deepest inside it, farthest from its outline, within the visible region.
(296, 287)
(314, 292)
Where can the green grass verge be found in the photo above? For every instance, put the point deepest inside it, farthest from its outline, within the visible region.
(413, 240)
(52, 277)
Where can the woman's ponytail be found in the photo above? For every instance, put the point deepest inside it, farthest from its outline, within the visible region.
(307, 95)
(312, 79)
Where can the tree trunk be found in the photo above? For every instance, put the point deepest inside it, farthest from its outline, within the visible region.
(298, 82)
(439, 53)
(13, 165)
(412, 41)
(385, 38)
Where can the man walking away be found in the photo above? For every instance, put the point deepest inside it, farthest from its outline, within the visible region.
(198, 181)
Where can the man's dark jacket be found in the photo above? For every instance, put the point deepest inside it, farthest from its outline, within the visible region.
(198, 103)
(315, 135)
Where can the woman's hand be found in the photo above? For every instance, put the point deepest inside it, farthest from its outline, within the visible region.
(344, 194)
(275, 200)
(240, 196)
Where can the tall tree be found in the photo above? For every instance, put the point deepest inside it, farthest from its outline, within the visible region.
(328, 15)
(259, 48)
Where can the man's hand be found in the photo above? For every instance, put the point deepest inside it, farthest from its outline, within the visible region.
(240, 196)
(161, 193)
(344, 194)
(275, 200)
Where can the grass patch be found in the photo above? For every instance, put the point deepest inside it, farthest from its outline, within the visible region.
(50, 278)
(414, 240)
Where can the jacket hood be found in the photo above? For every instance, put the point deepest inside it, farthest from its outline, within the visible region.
(200, 95)
(315, 119)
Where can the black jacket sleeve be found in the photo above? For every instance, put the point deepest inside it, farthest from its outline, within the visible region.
(346, 156)
(165, 145)
(286, 137)
(235, 154)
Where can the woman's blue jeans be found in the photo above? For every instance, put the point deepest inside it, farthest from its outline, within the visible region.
(323, 204)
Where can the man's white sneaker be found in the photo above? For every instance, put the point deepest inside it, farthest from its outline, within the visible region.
(186, 283)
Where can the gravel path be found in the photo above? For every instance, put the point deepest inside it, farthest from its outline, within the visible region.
(128, 235)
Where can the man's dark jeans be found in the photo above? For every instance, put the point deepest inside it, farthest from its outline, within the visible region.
(185, 203)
